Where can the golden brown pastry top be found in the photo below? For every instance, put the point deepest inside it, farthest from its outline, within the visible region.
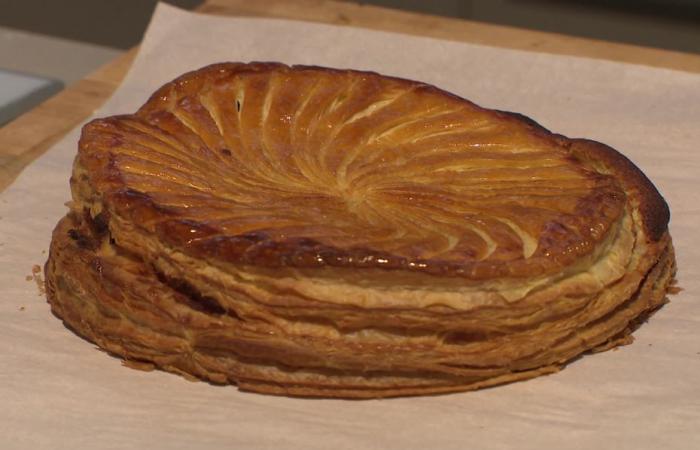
(270, 165)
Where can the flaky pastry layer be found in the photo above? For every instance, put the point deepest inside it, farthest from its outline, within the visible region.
(141, 314)
(315, 232)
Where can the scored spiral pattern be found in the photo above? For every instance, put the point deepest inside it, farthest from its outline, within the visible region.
(335, 233)
(301, 166)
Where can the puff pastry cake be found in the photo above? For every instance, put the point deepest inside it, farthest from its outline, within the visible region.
(318, 232)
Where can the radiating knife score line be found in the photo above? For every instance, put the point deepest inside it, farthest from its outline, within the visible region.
(282, 143)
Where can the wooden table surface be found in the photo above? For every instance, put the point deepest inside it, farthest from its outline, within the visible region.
(30, 135)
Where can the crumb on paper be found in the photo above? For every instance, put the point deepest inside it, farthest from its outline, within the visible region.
(43, 252)
(144, 366)
(29, 278)
(22, 308)
(673, 287)
(36, 276)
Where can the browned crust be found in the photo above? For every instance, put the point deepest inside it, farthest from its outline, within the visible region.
(651, 205)
(105, 304)
(134, 302)
(259, 249)
(605, 159)
(223, 70)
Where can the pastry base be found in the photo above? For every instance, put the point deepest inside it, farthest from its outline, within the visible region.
(111, 298)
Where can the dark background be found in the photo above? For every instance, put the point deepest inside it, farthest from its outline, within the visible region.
(670, 24)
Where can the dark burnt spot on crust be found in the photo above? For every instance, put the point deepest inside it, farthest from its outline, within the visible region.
(81, 240)
(140, 207)
(652, 206)
(98, 225)
(189, 295)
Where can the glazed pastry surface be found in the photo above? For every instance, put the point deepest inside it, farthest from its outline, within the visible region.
(321, 232)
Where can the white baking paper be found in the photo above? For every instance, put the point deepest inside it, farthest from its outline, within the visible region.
(58, 392)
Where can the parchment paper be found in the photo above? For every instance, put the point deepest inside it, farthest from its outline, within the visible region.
(58, 392)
